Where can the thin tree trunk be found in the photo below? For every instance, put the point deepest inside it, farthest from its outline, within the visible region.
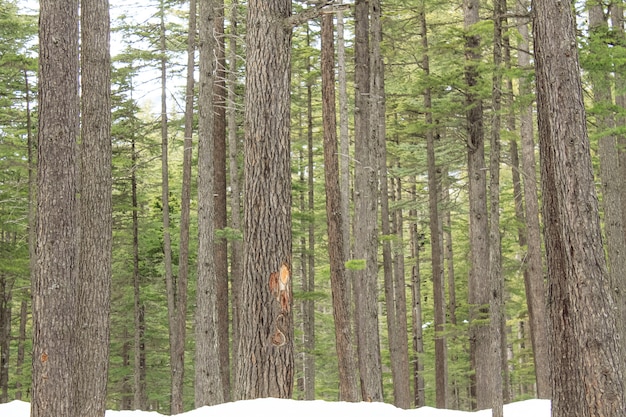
(584, 341)
(441, 372)
(348, 388)
(219, 167)
(365, 219)
(21, 341)
(496, 279)
(95, 204)
(479, 285)
(5, 337)
(235, 198)
(416, 307)
(533, 271)
(208, 383)
(126, 400)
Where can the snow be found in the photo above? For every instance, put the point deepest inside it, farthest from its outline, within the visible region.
(271, 407)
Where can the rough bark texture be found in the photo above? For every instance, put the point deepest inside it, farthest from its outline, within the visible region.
(587, 365)
(94, 286)
(441, 372)
(21, 341)
(56, 277)
(479, 287)
(219, 167)
(208, 383)
(265, 352)
(348, 388)
(365, 218)
(416, 309)
(533, 268)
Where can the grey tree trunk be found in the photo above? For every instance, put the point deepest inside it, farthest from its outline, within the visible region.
(265, 352)
(533, 271)
(208, 381)
(94, 285)
(584, 342)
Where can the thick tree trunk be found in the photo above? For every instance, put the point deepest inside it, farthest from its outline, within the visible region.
(266, 346)
(94, 286)
(533, 271)
(479, 284)
(208, 383)
(348, 388)
(584, 342)
(365, 218)
(56, 278)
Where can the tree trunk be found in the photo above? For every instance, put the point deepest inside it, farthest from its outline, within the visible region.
(365, 218)
(610, 177)
(348, 388)
(585, 353)
(21, 341)
(56, 278)
(416, 308)
(219, 166)
(5, 337)
(266, 346)
(235, 198)
(479, 284)
(533, 271)
(94, 285)
(208, 384)
(441, 372)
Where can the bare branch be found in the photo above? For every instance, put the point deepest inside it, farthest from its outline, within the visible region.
(312, 12)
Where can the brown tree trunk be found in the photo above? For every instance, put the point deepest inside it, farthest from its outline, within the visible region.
(94, 285)
(235, 198)
(219, 167)
(21, 341)
(479, 284)
(533, 271)
(348, 388)
(265, 352)
(56, 278)
(5, 337)
(441, 372)
(585, 354)
(365, 218)
(208, 384)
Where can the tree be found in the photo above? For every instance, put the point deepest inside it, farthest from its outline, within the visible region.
(265, 351)
(56, 277)
(348, 388)
(94, 286)
(208, 384)
(587, 374)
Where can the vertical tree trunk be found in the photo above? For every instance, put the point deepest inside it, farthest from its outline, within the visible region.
(185, 198)
(584, 342)
(365, 218)
(5, 337)
(496, 308)
(235, 199)
(208, 384)
(610, 177)
(348, 388)
(21, 341)
(94, 287)
(416, 308)
(533, 271)
(479, 286)
(266, 346)
(219, 167)
(56, 278)
(126, 401)
(441, 372)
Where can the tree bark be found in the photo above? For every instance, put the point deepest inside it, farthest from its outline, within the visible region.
(56, 278)
(533, 268)
(5, 336)
(208, 383)
(587, 365)
(21, 341)
(94, 286)
(265, 352)
(348, 388)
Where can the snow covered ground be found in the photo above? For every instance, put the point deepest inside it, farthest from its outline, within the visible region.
(271, 407)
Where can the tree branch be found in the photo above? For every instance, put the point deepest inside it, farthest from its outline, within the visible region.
(312, 12)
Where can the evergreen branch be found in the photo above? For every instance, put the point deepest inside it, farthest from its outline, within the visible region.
(312, 12)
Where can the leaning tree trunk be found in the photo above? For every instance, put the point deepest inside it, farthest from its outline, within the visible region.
(587, 377)
(265, 352)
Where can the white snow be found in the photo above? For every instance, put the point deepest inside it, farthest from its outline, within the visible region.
(272, 407)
